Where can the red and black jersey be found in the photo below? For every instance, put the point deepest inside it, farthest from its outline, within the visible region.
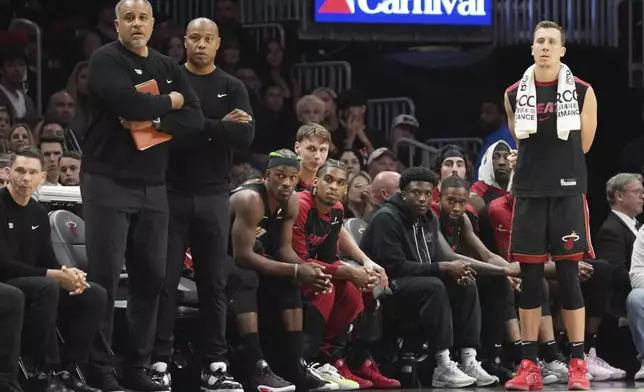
(500, 216)
(546, 165)
(487, 192)
(469, 210)
(450, 229)
(316, 235)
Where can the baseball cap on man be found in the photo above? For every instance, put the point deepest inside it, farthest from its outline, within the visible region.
(380, 152)
(405, 119)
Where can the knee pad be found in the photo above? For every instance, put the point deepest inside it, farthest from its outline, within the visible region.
(569, 289)
(532, 292)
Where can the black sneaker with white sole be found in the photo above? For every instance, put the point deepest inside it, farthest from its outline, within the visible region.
(140, 379)
(73, 383)
(264, 380)
(161, 374)
(215, 378)
(106, 382)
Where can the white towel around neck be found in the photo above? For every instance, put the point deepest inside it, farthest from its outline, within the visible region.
(526, 116)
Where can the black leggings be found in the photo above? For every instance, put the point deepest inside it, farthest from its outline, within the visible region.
(532, 291)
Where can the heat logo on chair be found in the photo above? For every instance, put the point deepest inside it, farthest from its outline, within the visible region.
(72, 227)
(430, 12)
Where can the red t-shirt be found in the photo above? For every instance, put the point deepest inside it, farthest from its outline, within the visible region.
(487, 193)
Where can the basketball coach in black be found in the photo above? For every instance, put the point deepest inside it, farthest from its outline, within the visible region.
(198, 179)
(123, 188)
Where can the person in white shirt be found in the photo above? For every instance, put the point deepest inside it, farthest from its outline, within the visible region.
(635, 300)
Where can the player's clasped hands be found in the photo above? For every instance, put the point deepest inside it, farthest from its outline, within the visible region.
(312, 274)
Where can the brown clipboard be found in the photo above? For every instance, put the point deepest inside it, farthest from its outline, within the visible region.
(148, 137)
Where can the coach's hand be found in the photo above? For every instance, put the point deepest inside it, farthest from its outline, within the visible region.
(312, 275)
(70, 279)
(238, 115)
(585, 271)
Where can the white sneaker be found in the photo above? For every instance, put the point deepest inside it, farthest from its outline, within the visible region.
(597, 369)
(553, 372)
(640, 373)
(161, 374)
(329, 373)
(450, 376)
(483, 378)
(616, 374)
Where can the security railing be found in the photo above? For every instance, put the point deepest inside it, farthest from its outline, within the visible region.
(470, 144)
(261, 32)
(382, 111)
(333, 74)
(592, 22)
(415, 148)
(262, 11)
(183, 11)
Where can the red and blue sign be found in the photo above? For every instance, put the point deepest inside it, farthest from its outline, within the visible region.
(426, 12)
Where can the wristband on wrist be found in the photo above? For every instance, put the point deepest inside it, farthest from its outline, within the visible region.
(295, 271)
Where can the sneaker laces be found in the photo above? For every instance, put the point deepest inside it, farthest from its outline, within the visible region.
(328, 368)
(266, 371)
(578, 372)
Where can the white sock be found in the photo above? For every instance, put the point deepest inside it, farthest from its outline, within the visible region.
(468, 356)
(442, 357)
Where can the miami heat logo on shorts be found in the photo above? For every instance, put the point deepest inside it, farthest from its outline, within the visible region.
(569, 240)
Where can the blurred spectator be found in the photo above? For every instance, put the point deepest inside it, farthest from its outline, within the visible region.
(70, 163)
(230, 28)
(384, 185)
(274, 70)
(20, 136)
(230, 54)
(48, 128)
(241, 163)
(90, 41)
(329, 97)
(248, 76)
(404, 126)
(62, 110)
(77, 89)
(360, 201)
(173, 47)
(274, 122)
(353, 132)
(353, 160)
(13, 68)
(5, 122)
(52, 148)
(4, 173)
(495, 127)
(310, 109)
(105, 23)
(383, 159)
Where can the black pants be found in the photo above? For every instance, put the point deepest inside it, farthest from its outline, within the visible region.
(201, 222)
(494, 294)
(126, 222)
(595, 289)
(47, 306)
(12, 305)
(449, 314)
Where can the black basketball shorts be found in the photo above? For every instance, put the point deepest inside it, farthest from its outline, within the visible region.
(550, 227)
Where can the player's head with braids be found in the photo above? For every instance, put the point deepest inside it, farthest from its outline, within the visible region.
(331, 182)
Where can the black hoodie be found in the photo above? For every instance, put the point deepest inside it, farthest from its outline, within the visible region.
(401, 245)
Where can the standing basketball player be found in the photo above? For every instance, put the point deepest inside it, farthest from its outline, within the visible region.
(553, 118)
